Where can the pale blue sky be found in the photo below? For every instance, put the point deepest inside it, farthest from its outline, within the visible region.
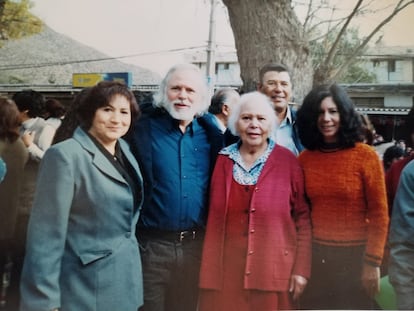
(132, 27)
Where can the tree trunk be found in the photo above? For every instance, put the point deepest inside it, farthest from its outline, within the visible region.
(269, 31)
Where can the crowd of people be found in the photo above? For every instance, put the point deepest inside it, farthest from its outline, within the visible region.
(235, 202)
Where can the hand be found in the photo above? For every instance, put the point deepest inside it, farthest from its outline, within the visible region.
(371, 279)
(28, 138)
(297, 285)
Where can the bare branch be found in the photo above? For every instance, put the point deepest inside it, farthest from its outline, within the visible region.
(398, 8)
(332, 51)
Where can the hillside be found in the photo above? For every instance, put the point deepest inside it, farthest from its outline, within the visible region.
(51, 58)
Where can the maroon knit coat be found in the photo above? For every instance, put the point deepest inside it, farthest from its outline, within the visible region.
(279, 235)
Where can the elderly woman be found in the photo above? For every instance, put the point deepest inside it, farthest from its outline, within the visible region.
(82, 253)
(257, 247)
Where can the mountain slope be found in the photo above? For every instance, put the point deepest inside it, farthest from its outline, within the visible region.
(52, 58)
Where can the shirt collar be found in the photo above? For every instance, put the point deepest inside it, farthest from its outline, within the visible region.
(288, 117)
(233, 153)
(220, 124)
(173, 124)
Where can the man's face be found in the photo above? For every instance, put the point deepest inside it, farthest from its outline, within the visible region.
(184, 95)
(278, 87)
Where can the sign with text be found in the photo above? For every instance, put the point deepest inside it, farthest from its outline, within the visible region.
(91, 79)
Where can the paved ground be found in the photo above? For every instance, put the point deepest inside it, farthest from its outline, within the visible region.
(12, 302)
(12, 296)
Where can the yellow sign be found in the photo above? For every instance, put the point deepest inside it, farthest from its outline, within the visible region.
(91, 79)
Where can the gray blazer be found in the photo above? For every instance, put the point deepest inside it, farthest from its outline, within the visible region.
(82, 253)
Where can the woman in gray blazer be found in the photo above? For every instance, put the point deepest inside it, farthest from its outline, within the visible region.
(82, 253)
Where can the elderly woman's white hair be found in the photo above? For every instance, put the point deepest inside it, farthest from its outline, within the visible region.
(160, 97)
(260, 100)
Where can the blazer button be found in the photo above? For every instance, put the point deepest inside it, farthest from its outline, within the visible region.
(252, 231)
(128, 235)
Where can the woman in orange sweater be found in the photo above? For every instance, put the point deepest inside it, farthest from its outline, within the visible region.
(346, 190)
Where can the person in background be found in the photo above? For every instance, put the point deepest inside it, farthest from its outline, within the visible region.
(15, 155)
(346, 191)
(82, 253)
(37, 137)
(401, 265)
(392, 176)
(222, 103)
(275, 82)
(3, 169)
(55, 112)
(36, 134)
(258, 238)
(402, 144)
(176, 149)
(391, 155)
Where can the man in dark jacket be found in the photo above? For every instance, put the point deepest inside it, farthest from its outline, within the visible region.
(176, 149)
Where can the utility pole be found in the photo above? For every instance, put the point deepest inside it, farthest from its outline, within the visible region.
(211, 48)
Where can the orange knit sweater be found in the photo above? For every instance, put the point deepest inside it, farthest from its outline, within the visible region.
(348, 199)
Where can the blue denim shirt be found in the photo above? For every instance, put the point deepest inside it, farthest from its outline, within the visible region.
(181, 170)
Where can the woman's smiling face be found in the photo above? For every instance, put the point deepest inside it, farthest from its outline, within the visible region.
(329, 120)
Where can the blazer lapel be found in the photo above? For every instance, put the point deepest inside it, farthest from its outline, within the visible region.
(98, 158)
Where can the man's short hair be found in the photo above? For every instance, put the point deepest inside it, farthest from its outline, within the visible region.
(218, 99)
(272, 67)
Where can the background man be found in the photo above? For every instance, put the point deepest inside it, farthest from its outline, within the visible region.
(276, 84)
(221, 105)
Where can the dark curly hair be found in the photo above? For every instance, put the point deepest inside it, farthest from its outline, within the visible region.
(350, 129)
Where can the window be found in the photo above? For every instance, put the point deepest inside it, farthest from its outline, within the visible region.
(391, 65)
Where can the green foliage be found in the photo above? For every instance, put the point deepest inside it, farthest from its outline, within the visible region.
(350, 41)
(357, 74)
(16, 21)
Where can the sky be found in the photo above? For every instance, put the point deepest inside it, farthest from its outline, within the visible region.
(148, 28)
(156, 33)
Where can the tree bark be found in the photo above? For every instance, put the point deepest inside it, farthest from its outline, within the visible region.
(269, 31)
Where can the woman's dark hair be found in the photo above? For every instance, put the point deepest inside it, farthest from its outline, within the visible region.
(350, 129)
(101, 95)
(54, 108)
(70, 121)
(10, 120)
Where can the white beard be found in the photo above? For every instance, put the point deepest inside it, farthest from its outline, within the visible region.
(182, 115)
